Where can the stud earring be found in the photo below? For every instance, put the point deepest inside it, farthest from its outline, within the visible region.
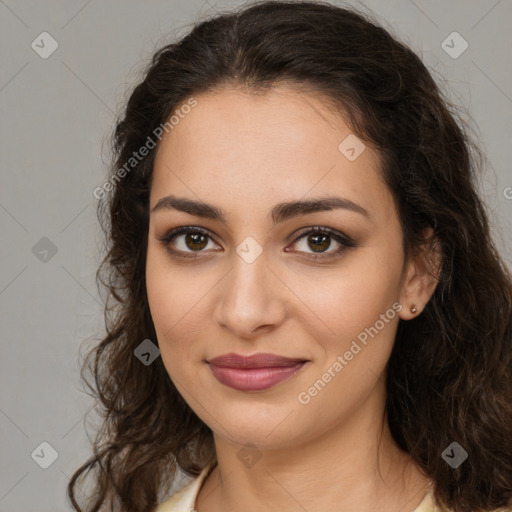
(413, 308)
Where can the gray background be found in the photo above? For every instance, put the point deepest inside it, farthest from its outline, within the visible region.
(56, 116)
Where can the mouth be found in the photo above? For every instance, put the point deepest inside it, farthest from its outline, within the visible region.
(254, 373)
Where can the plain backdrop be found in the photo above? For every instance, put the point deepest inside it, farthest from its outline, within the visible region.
(57, 113)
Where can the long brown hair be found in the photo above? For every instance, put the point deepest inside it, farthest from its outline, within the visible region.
(449, 376)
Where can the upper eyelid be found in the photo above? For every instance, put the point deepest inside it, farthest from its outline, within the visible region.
(184, 229)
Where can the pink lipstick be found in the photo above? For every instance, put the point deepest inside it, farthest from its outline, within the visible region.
(254, 373)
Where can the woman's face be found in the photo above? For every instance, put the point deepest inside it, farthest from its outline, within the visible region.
(249, 284)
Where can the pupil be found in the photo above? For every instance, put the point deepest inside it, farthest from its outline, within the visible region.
(316, 238)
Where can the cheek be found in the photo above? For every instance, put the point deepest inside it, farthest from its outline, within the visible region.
(180, 311)
(168, 297)
(170, 292)
(354, 297)
(356, 312)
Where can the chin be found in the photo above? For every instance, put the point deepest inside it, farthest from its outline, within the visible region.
(259, 439)
(256, 428)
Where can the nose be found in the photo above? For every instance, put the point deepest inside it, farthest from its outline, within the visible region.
(250, 299)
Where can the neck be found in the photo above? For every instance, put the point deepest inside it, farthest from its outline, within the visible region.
(354, 466)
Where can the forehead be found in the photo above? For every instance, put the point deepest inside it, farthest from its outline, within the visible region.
(261, 148)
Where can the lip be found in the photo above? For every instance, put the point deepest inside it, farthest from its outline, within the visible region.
(261, 360)
(254, 373)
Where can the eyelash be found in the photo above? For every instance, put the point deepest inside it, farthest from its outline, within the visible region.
(345, 241)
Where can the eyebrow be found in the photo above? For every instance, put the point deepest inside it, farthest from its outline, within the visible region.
(279, 213)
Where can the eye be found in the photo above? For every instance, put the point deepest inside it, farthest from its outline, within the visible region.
(190, 241)
(187, 241)
(319, 239)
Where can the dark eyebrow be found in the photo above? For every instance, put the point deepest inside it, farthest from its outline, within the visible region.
(279, 213)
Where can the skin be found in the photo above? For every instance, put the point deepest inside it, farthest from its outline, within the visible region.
(244, 153)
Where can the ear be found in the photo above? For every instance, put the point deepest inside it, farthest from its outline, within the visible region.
(421, 275)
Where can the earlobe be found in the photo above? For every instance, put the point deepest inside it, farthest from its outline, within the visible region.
(422, 276)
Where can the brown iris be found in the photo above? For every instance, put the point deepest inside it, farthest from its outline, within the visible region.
(196, 241)
(316, 238)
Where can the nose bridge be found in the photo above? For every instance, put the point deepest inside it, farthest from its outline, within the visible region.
(249, 296)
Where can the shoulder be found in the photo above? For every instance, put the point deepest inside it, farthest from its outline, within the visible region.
(428, 505)
(184, 500)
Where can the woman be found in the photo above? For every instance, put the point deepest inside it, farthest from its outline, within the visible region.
(293, 220)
